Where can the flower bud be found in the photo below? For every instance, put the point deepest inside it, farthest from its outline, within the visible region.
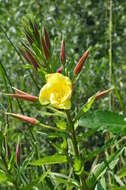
(60, 69)
(62, 52)
(27, 119)
(81, 62)
(47, 38)
(31, 59)
(18, 150)
(103, 93)
(45, 48)
(27, 97)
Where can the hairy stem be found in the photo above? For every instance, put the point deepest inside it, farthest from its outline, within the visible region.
(110, 52)
(75, 145)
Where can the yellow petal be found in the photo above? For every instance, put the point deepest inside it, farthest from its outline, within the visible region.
(44, 95)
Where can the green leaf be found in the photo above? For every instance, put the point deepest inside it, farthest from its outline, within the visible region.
(101, 184)
(99, 150)
(35, 182)
(86, 107)
(5, 177)
(122, 172)
(61, 178)
(54, 159)
(119, 188)
(78, 166)
(11, 161)
(101, 168)
(104, 120)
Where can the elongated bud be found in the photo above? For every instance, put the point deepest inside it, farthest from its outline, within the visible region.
(36, 32)
(23, 53)
(45, 49)
(20, 91)
(18, 152)
(31, 59)
(60, 69)
(47, 40)
(27, 119)
(27, 97)
(103, 93)
(81, 62)
(62, 52)
(28, 35)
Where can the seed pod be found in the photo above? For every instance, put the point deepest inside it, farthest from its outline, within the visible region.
(81, 62)
(27, 97)
(62, 52)
(27, 119)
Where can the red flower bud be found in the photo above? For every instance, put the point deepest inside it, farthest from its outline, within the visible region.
(60, 69)
(103, 93)
(81, 62)
(27, 119)
(18, 150)
(47, 39)
(62, 52)
(45, 48)
(27, 97)
(31, 59)
(23, 95)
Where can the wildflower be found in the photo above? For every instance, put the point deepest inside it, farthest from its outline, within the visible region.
(57, 91)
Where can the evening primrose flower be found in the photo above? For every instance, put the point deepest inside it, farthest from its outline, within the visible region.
(57, 91)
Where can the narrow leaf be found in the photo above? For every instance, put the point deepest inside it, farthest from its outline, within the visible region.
(54, 159)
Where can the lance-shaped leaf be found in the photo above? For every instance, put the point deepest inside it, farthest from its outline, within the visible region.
(101, 168)
(86, 107)
(54, 159)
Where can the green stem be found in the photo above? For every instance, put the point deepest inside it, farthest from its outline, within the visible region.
(75, 144)
(110, 52)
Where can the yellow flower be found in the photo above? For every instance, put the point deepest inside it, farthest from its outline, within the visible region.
(57, 91)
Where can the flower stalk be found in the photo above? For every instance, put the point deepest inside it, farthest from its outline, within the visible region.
(75, 145)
